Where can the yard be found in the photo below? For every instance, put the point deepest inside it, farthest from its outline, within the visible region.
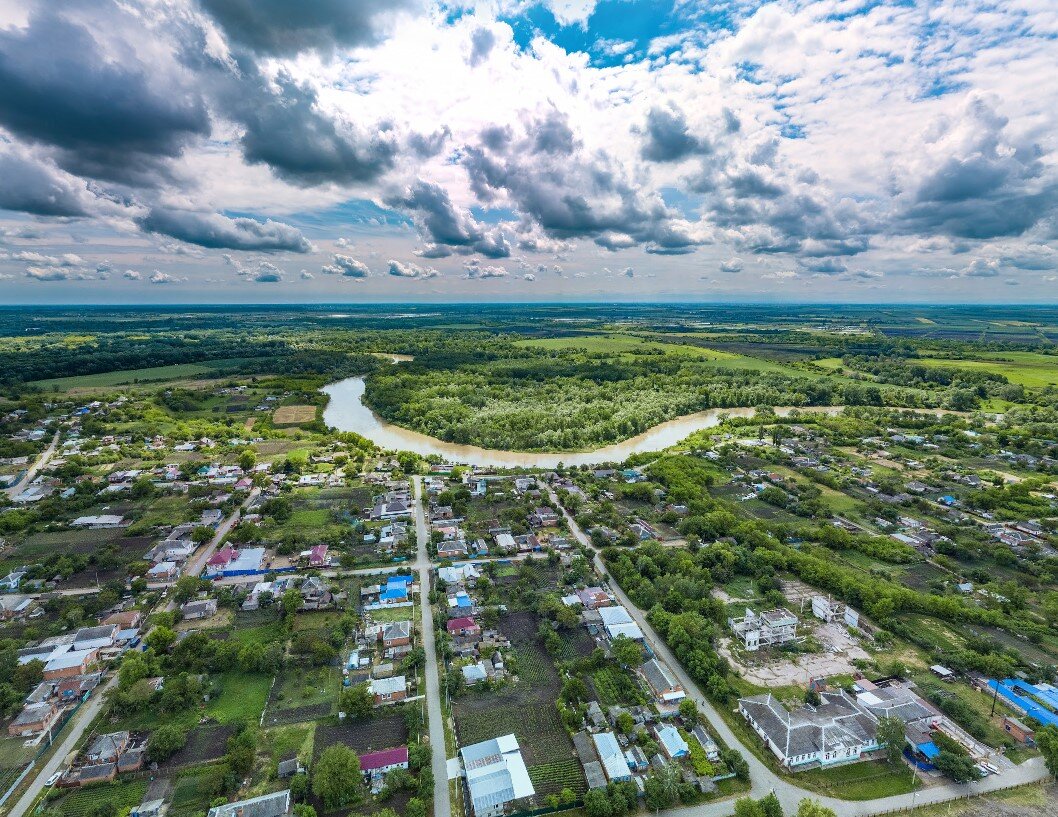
(81, 802)
(526, 709)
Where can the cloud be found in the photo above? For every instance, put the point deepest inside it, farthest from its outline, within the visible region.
(217, 231)
(347, 266)
(41, 189)
(306, 275)
(475, 270)
(667, 137)
(446, 226)
(733, 264)
(482, 41)
(974, 178)
(825, 266)
(981, 268)
(132, 275)
(83, 90)
(628, 272)
(282, 28)
(288, 132)
(159, 277)
(409, 270)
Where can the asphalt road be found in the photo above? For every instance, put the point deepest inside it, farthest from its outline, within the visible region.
(762, 778)
(85, 715)
(442, 804)
(34, 469)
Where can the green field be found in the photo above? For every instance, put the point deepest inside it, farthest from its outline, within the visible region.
(620, 344)
(123, 795)
(155, 374)
(1025, 368)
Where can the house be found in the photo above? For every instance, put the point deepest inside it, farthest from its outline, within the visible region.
(163, 572)
(392, 509)
(770, 628)
(374, 764)
(452, 549)
(389, 690)
(33, 719)
(12, 580)
(496, 775)
(95, 522)
(89, 774)
(1019, 731)
(396, 634)
(464, 626)
(286, 768)
(460, 604)
(593, 598)
(662, 682)
(125, 619)
(672, 742)
(95, 638)
(543, 517)
(611, 757)
(317, 556)
(107, 748)
(475, 673)
(839, 730)
(194, 610)
(276, 804)
(616, 621)
(68, 664)
(459, 574)
(16, 606)
(315, 594)
(396, 590)
(148, 808)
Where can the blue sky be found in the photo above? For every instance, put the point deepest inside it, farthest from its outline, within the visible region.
(209, 151)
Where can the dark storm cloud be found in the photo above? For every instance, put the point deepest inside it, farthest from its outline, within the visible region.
(991, 187)
(302, 145)
(33, 187)
(216, 231)
(109, 117)
(667, 138)
(568, 192)
(285, 28)
(442, 224)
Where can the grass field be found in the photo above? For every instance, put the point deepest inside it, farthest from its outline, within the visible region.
(1024, 368)
(293, 415)
(619, 344)
(860, 781)
(154, 374)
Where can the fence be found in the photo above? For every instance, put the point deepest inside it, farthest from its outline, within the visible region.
(52, 734)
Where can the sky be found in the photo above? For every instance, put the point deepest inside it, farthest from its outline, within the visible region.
(266, 151)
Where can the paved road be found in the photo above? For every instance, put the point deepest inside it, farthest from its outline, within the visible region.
(763, 779)
(442, 803)
(34, 469)
(85, 715)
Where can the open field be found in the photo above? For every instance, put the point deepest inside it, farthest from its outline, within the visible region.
(293, 415)
(155, 374)
(1030, 369)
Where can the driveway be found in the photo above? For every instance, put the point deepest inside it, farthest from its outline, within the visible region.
(34, 469)
(763, 779)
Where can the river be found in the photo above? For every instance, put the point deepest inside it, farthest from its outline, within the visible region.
(346, 412)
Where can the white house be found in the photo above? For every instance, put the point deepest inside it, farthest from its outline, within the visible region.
(496, 775)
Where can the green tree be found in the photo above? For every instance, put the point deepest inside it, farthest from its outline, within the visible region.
(357, 701)
(247, 459)
(771, 806)
(1047, 743)
(689, 710)
(626, 651)
(161, 638)
(891, 736)
(597, 803)
(813, 808)
(164, 742)
(748, 807)
(959, 768)
(336, 778)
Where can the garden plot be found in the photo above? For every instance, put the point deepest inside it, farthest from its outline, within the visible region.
(526, 709)
(302, 695)
(204, 744)
(367, 735)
